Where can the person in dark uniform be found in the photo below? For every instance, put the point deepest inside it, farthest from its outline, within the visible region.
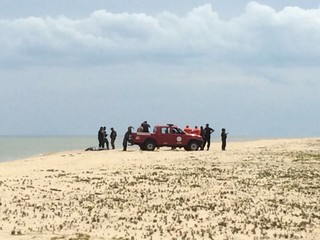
(202, 132)
(145, 126)
(126, 139)
(113, 136)
(223, 138)
(101, 137)
(207, 136)
(106, 141)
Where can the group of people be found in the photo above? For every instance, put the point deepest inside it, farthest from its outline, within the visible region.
(205, 133)
(103, 138)
(144, 127)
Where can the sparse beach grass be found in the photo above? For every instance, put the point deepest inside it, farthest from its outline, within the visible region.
(255, 190)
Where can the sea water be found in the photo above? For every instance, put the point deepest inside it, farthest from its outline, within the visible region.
(19, 147)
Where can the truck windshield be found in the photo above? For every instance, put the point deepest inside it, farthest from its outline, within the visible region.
(180, 131)
(177, 131)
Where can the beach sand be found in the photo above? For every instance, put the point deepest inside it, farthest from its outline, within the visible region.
(268, 189)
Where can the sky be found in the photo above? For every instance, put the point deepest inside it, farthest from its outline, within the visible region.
(69, 67)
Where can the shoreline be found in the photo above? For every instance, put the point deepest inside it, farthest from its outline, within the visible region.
(37, 150)
(255, 189)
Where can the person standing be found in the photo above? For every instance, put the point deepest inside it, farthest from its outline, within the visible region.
(113, 136)
(126, 139)
(223, 139)
(187, 129)
(196, 131)
(106, 141)
(202, 132)
(145, 126)
(207, 136)
(101, 137)
(202, 135)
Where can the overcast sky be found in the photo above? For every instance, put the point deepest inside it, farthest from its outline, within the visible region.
(69, 67)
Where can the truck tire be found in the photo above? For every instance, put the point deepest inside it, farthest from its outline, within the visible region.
(149, 145)
(193, 146)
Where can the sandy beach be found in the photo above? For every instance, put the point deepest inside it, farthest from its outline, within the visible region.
(267, 189)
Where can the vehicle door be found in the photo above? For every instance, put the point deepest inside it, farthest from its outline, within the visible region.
(177, 137)
(163, 137)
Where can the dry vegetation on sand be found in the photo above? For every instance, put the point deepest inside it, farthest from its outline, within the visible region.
(255, 190)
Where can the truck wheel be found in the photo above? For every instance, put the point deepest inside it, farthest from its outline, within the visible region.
(149, 145)
(193, 146)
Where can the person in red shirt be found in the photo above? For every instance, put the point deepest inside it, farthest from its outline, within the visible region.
(187, 129)
(196, 131)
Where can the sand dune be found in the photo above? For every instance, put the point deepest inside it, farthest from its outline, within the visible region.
(266, 189)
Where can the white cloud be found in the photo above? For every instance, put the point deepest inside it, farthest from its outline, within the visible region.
(290, 35)
(260, 36)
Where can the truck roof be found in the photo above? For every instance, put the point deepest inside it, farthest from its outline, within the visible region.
(167, 125)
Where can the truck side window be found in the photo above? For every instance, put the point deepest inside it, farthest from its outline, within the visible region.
(164, 130)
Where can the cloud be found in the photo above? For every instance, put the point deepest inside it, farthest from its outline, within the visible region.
(259, 36)
(260, 67)
(286, 37)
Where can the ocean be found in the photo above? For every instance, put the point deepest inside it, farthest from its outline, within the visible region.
(19, 147)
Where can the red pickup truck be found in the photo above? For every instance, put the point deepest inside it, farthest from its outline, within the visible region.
(166, 136)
